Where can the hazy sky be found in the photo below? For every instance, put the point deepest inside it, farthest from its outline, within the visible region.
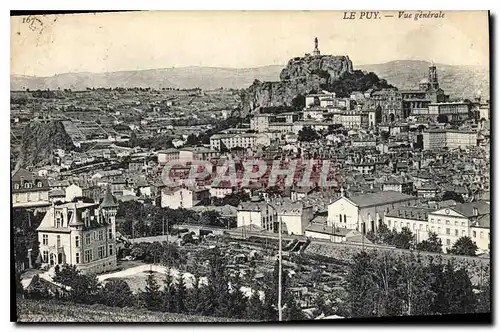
(143, 40)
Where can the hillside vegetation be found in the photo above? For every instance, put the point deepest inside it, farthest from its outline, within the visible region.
(56, 311)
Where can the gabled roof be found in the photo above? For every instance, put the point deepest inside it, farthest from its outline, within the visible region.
(467, 209)
(379, 198)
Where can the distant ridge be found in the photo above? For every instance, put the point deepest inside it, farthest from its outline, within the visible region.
(460, 81)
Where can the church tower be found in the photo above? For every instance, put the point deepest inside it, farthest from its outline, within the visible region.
(433, 77)
(316, 49)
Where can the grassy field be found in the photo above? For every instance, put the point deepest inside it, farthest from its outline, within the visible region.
(31, 311)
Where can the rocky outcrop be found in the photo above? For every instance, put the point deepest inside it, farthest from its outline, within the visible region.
(40, 139)
(327, 68)
(304, 75)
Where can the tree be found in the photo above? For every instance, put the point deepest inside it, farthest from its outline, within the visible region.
(151, 295)
(254, 308)
(307, 134)
(211, 218)
(66, 274)
(432, 244)
(359, 287)
(193, 295)
(464, 246)
(404, 240)
(181, 295)
(442, 118)
(299, 102)
(453, 196)
(116, 293)
(85, 289)
(293, 311)
(192, 140)
(169, 292)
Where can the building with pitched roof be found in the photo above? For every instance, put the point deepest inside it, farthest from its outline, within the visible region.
(466, 219)
(29, 190)
(81, 234)
(365, 212)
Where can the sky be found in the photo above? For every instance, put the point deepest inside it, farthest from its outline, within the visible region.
(106, 42)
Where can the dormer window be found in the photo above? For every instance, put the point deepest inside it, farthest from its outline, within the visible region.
(58, 219)
(26, 185)
(39, 184)
(16, 186)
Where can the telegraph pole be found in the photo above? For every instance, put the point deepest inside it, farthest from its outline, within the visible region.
(280, 313)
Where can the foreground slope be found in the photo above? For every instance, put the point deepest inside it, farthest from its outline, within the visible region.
(30, 311)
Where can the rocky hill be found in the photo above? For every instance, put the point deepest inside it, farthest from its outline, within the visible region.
(310, 74)
(40, 139)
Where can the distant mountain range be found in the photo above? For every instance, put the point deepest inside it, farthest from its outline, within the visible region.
(458, 81)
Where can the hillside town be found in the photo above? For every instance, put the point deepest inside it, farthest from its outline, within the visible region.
(140, 185)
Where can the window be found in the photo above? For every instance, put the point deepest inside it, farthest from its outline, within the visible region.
(473, 233)
(432, 220)
(439, 230)
(94, 235)
(45, 256)
(439, 221)
(77, 241)
(447, 222)
(448, 242)
(427, 228)
(110, 234)
(16, 186)
(463, 233)
(58, 220)
(420, 227)
(100, 252)
(58, 241)
(101, 235)
(456, 232)
(45, 239)
(39, 185)
(389, 223)
(463, 224)
(77, 258)
(345, 219)
(87, 238)
(340, 218)
(88, 255)
(447, 231)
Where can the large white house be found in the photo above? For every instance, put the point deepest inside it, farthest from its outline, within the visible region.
(294, 216)
(175, 198)
(81, 234)
(365, 212)
(449, 223)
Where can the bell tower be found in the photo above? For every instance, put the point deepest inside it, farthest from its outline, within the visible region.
(433, 77)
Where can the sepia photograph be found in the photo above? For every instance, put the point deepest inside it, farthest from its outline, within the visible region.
(250, 166)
